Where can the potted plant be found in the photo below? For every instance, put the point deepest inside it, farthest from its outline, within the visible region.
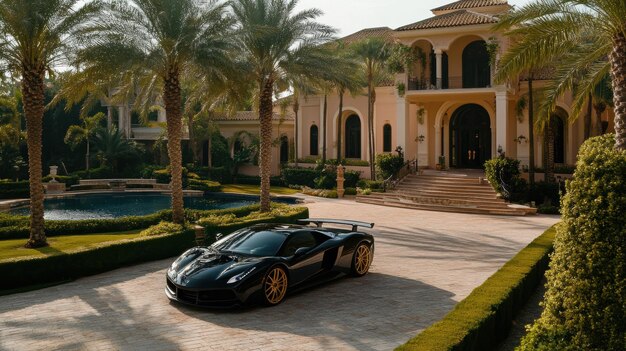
(401, 89)
(442, 163)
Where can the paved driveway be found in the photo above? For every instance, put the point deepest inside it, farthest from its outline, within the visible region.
(425, 263)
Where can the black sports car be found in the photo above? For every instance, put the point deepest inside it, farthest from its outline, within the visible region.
(262, 262)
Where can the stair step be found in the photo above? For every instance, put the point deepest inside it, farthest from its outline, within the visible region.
(448, 196)
(456, 209)
(455, 189)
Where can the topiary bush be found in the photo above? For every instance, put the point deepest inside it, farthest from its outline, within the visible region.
(387, 165)
(585, 301)
(161, 229)
(299, 176)
(504, 169)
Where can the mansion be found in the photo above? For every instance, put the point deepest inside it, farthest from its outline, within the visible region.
(451, 110)
(447, 110)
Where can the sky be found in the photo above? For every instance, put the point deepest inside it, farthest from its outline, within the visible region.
(349, 16)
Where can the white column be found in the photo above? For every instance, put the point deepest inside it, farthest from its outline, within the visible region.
(501, 120)
(161, 117)
(120, 118)
(109, 116)
(439, 71)
(423, 147)
(403, 128)
(298, 132)
(322, 129)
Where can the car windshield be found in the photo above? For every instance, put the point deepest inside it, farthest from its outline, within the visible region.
(253, 243)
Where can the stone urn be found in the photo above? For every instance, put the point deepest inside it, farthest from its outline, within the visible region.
(53, 186)
(340, 179)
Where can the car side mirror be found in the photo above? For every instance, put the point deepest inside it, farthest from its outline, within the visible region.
(218, 236)
(301, 251)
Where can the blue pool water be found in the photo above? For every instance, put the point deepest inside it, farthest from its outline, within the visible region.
(100, 206)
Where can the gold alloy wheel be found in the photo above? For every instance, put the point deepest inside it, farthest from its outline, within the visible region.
(362, 259)
(275, 285)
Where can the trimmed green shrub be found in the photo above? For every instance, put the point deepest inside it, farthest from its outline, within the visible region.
(548, 209)
(163, 176)
(370, 184)
(300, 176)
(204, 185)
(350, 191)
(161, 229)
(546, 193)
(504, 169)
(585, 301)
(328, 193)
(256, 180)
(96, 173)
(14, 190)
(351, 178)
(483, 318)
(309, 159)
(387, 165)
(353, 162)
(218, 174)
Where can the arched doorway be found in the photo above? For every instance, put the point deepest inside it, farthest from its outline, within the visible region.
(353, 137)
(284, 149)
(470, 137)
(314, 141)
(557, 127)
(476, 66)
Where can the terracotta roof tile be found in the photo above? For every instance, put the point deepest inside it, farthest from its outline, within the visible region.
(385, 33)
(452, 19)
(470, 4)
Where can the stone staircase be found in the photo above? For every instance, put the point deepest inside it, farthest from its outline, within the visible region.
(447, 193)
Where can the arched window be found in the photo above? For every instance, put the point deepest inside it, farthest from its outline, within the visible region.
(387, 138)
(284, 149)
(353, 137)
(558, 128)
(314, 140)
(476, 65)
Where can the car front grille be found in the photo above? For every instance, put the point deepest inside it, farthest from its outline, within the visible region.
(213, 297)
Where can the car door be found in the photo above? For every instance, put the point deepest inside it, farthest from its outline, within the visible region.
(307, 264)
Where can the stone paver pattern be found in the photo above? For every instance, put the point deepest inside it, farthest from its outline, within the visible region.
(425, 262)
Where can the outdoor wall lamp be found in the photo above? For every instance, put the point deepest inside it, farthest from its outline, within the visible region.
(420, 138)
(521, 139)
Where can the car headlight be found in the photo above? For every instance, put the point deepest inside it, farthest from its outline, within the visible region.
(239, 277)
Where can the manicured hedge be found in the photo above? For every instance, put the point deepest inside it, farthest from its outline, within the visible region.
(22, 272)
(16, 227)
(483, 319)
(300, 176)
(14, 190)
(256, 180)
(204, 185)
(40, 270)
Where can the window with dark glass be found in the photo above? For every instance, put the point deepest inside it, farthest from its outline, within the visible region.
(353, 137)
(314, 141)
(387, 138)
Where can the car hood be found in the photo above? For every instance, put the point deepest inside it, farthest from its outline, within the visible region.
(205, 268)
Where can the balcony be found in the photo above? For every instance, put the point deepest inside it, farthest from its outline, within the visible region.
(415, 84)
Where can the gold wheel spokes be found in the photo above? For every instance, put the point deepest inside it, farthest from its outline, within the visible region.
(276, 285)
(363, 259)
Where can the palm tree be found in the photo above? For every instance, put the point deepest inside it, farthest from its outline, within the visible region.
(76, 134)
(581, 33)
(602, 97)
(36, 36)
(148, 46)
(373, 54)
(277, 43)
(111, 146)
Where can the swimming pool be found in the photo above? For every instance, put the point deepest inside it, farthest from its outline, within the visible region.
(114, 205)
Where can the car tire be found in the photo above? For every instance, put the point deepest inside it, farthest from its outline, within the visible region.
(361, 260)
(275, 285)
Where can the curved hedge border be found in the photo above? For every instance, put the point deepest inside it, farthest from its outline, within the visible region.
(483, 319)
(23, 272)
(17, 227)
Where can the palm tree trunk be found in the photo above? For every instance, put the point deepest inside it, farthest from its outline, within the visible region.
(172, 99)
(588, 115)
(339, 123)
(324, 117)
(33, 98)
(370, 121)
(618, 75)
(549, 166)
(265, 160)
(193, 143)
(531, 134)
(296, 107)
(87, 154)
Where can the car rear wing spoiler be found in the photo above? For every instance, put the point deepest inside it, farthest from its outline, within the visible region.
(319, 222)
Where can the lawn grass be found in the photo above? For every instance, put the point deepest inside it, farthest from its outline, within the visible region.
(60, 244)
(256, 189)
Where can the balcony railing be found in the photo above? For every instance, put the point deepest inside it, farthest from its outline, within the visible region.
(450, 83)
